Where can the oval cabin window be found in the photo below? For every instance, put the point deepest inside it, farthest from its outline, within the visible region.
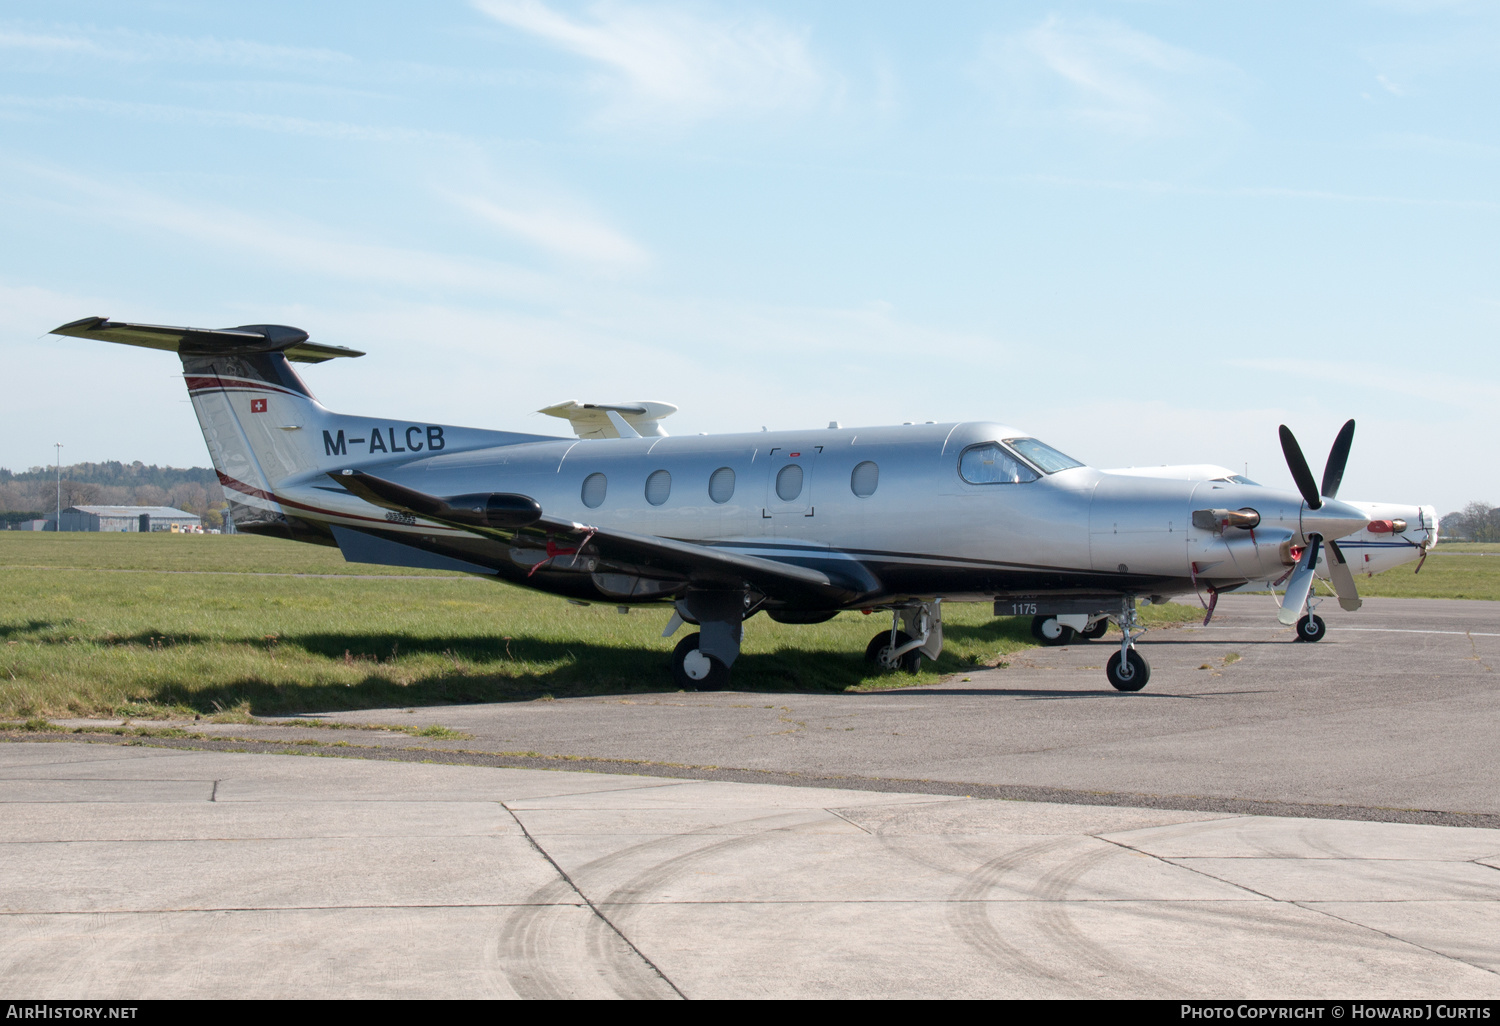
(789, 482)
(658, 487)
(721, 485)
(593, 490)
(865, 479)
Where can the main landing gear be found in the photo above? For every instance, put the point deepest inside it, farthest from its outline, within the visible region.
(898, 649)
(701, 661)
(1062, 630)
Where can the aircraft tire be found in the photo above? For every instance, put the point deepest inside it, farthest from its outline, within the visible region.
(1131, 674)
(877, 650)
(1095, 632)
(1311, 628)
(694, 671)
(1055, 634)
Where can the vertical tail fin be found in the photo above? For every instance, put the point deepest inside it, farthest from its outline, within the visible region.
(257, 415)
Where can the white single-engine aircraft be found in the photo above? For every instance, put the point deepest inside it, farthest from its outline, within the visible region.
(801, 524)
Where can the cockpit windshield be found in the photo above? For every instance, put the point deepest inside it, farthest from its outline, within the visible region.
(1044, 456)
(1237, 479)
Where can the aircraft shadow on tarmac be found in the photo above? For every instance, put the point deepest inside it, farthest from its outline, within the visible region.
(404, 670)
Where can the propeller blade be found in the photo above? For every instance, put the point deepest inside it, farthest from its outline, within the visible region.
(1298, 466)
(1300, 584)
(1342, 577)
(1333, 471)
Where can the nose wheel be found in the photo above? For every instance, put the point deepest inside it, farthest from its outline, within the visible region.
(1130, 673)
(1311, 628)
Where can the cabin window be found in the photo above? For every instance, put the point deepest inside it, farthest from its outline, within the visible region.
(593, 490)
(1044, 456)
(865, 479)
(991, 464)
(658, 487)
(721, 485)
(789, 482)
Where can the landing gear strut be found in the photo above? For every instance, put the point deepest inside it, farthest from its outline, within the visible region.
(903, 649)
(1127, 669)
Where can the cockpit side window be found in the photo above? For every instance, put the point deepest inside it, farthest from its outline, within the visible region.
(1044, 456)
(990, 463)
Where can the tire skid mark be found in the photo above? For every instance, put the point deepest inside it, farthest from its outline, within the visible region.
(1055, 919)
(538, 939)
(969, 914)
(530, 937)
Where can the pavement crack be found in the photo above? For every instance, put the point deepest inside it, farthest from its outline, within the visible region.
(563, 874)
(846, 819)
(1312, 906)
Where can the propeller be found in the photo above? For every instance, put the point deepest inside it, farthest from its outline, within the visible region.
(1314, 495)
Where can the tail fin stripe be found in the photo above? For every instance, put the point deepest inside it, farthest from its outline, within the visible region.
(201, 384)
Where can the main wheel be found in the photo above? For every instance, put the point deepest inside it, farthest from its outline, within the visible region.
(694, 671)
(1048, 631)
(1130, 673)
(1095, 632)
(1311, 628)
(879, 650)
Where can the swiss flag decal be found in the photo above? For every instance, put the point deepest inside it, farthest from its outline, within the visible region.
(257, 406)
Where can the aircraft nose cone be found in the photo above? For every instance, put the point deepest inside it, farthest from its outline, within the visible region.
(1333, 519)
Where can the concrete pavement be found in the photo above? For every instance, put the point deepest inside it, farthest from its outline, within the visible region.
(132, 872)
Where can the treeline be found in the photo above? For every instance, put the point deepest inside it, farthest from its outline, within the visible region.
(194, 489)
(1478, 522)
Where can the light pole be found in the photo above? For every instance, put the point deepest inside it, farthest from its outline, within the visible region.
(58, 447)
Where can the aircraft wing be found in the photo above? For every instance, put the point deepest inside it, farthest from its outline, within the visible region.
(517, 520)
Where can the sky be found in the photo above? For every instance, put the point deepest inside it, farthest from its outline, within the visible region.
(1145, 232)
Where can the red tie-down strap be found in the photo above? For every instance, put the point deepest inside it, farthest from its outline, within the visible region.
(554, 550)
(1213, 594)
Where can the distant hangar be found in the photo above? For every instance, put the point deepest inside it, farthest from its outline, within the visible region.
(129, 518)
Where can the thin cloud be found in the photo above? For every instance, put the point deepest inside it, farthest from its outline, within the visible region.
(668, 64)
(567, 234)
(126, 45)
(172, 114)
(1101, 74)
(309, 248)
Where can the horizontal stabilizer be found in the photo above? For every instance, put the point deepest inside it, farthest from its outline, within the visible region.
(246, 339)
(613, 420)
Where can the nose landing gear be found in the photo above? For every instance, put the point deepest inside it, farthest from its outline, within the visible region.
(1127, 669)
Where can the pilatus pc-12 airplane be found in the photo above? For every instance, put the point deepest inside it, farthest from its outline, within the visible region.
(800, 524)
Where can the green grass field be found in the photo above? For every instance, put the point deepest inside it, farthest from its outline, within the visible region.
(125, 625)
(221, 626)
(1467, 570)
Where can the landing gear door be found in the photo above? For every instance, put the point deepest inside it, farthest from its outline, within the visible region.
(789, 481)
